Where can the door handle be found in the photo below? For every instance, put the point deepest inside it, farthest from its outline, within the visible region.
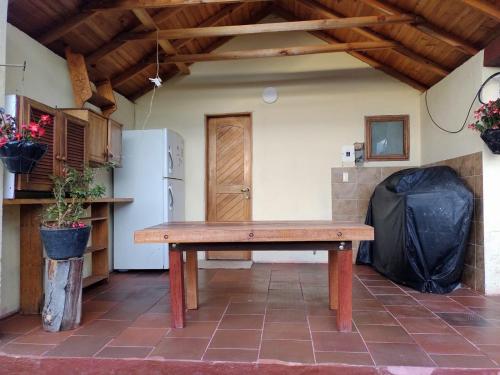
(245, 190)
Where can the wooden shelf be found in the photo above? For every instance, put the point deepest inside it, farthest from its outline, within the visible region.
(91, 249)
(100, 101)
(87, 281)
(97, 218)
(24, 201)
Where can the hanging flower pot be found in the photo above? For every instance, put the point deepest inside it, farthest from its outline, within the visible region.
(19, 146)
(21, 156)
(492, 139)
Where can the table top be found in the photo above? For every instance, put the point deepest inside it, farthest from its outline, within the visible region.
(254, 231)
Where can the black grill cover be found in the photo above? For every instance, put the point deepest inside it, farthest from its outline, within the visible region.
(422, 218)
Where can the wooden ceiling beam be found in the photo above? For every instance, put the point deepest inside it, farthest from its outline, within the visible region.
(431, 65)
(148, 21)
(277, 52)
(425, 27)
(65, 27)
(134, 4)
(359, 55)
(485, 7)
(145, 64)
(310, 25)
(117, 42)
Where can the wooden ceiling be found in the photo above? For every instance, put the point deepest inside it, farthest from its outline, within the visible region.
(416, 41)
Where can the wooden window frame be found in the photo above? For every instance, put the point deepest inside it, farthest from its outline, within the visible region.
(369, 120)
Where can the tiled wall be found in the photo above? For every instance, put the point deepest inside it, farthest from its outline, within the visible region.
(350, 202)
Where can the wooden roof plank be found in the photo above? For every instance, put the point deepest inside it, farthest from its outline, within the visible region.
(65, 27)
(117, 42)
(400, 48)
(310, 25)
(485, 7)
(426, 27)
(169, 49)
(133, 4)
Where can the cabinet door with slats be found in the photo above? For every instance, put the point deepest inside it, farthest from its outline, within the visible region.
(115, 143)
(39, 179)
(75, 136)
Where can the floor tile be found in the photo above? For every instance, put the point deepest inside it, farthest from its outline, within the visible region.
(134, 336)
(481, 335)
(424, 325)
(286, 331)
(373, 317)
(463, 361)
(399, 355)
(464, 319)
(445, 307)
(152, 320)
(473, 301)
(180, 348)
(358, 359)
(338, 342)
(492, 351)
(444, 344)
(236, 339)
(108, 328)
(323, 323)
(205, 314)
(79, 346)
(410, 312)
(42, 337)
(246, 308)
(20, 324)
(367, 305)
(242, 322)
(231, 355)
(287, 351)
(286, 316)
(381, 333)
(26, 349)
(98, 306)
(376, 290)
(124, 352)
(194, 329)
(389, 300)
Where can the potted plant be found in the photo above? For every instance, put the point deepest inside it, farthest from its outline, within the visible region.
(64, 235)
(488, 124)
(20, 149)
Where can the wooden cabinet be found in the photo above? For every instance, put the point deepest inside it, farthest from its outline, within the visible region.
(66, 139)
(97, 134)
(115, 143)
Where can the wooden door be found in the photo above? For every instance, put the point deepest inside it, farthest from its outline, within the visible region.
(98, 138)
(229, 174)
(115, 143)
(39, 179)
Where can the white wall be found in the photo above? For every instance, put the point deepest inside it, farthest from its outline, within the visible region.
(46, 80)
(3, 37)
(322, 103)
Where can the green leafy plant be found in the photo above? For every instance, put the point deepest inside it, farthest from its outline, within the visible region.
(71, 190)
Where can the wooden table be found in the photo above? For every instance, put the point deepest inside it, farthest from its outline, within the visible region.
(191, 237)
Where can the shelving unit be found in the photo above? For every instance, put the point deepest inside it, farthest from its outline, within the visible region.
(32, 260)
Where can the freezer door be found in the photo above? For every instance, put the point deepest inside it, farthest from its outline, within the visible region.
(174, 161)
(174, 202)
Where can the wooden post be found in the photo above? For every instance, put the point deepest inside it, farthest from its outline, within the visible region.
(333, 280)
(63, 294)
(176, 288)
(192, 279)
(344, 274)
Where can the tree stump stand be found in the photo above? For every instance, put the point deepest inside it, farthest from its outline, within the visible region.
(63, 294)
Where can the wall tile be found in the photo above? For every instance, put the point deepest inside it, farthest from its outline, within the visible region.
(344, 206)
(369, 175)
(346, 190)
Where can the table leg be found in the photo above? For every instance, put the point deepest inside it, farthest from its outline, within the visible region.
(333, 280)
(344, 274)
(176, 288)
(192, 279)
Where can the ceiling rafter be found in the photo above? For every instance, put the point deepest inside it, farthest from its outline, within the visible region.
(485, 7)
(65, 27)
(117, 42)
(359, 55)
(133, 4)
(309, 25)
(145, 63)
(324, 11)
(426, 27)
(148, 21)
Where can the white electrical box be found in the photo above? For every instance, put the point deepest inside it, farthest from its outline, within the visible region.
(348, 154)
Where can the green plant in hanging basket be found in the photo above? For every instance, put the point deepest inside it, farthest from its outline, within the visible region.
(488, 124)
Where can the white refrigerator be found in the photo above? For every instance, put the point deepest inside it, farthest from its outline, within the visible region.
(152, 174)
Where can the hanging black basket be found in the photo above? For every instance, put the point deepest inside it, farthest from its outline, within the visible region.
(492, 138)
(21, 156)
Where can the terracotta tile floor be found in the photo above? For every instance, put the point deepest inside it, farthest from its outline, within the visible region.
(272, 312)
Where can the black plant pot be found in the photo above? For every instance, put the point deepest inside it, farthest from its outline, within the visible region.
(65, 243)
(492, 139)
(21, 156)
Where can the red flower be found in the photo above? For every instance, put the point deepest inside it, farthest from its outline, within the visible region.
(45, 119)
(3, 141)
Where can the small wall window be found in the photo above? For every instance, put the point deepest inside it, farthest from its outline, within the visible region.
(387, 137)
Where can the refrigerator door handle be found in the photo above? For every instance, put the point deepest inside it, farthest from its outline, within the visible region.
(170, 160)
(170, 198)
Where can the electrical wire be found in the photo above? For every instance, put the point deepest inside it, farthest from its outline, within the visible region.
(156, 82)
(477, 96)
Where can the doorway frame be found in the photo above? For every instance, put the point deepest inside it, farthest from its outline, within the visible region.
(235, 114)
